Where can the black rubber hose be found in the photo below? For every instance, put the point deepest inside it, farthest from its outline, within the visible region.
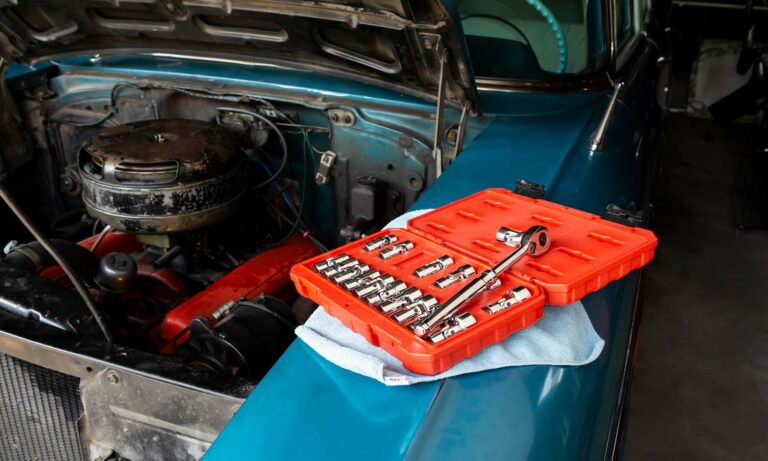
(33, 257)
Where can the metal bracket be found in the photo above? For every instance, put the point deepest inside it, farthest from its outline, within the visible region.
(341, 117)
(323, 174)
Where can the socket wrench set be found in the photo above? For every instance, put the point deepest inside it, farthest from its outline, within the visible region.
(467, 275)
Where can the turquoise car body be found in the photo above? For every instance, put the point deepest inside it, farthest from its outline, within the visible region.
(309, 408)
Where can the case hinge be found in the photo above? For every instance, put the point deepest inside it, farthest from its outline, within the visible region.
(619, 215)
(529, 189)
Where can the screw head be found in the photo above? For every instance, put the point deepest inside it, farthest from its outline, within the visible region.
(113, 377)
(452, 135)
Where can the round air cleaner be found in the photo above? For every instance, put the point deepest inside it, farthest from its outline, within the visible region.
(162, 176)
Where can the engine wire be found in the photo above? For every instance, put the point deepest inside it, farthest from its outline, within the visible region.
(281, 191)
(302, 200)
(101, 236)
(112, 108)
(280, 135)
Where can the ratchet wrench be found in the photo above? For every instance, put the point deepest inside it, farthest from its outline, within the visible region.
(535, 241)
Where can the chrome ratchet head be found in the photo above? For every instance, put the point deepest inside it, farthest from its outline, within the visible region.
(537, 238)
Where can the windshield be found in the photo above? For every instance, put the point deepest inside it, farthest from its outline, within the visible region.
(530, 39)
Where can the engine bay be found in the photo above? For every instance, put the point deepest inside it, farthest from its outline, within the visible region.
(182, 209)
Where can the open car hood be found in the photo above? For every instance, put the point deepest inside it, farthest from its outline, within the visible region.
(393, 43)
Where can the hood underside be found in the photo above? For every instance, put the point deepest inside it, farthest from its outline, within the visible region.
(393, 43)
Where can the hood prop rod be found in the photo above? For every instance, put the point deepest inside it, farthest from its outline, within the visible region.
(78, 283)
(460, 132)
(437, 151)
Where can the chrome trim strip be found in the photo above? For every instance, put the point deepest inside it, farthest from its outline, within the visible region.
(591, 82)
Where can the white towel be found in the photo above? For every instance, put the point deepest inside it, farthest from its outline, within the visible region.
(564, 336)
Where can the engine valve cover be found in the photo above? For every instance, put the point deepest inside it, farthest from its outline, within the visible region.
(161, 176)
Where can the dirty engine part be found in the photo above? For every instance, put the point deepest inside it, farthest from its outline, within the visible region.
(162, 176)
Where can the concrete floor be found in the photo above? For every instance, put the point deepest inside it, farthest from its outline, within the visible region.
(700, 390)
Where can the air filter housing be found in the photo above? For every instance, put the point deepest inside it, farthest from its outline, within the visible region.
(162, 176)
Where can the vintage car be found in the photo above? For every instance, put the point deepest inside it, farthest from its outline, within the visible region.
(166, 162)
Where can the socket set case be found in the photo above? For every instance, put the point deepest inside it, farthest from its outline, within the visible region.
(586, 254)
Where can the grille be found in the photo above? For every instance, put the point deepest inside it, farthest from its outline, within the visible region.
(39, 409)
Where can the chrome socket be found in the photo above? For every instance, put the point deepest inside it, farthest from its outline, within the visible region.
(351, 273)
(510, 237)
(330, 262)
(396, 249)
(512, 297)
(407, 297)
(376, 285)
(454, 325)
(421, 307)
(380, 242)
(338, 268)
(364, 279)
(391, 291)
(462, 273)
(434, 267)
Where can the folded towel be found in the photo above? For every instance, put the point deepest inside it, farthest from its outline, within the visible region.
(564, 336)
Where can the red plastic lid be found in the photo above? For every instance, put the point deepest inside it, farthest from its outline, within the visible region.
(587, 252)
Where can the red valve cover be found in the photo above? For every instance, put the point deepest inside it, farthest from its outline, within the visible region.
(267, 272)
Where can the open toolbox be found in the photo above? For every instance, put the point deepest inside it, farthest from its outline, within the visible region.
(585, 254)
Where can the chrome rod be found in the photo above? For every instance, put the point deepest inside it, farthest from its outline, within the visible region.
(437, 151)
(597, 141)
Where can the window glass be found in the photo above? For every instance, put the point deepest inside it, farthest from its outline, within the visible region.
(532, 38)
(642, 9)
(630, 16)
(624, 23)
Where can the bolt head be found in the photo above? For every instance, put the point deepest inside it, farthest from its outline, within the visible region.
(113, 377)
(452, 136)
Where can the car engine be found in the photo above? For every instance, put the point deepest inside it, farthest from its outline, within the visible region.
(183, 211)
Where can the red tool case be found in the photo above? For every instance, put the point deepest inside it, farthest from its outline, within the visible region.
(586, 254)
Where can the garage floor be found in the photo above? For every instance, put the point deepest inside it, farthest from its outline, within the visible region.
(700, 390)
